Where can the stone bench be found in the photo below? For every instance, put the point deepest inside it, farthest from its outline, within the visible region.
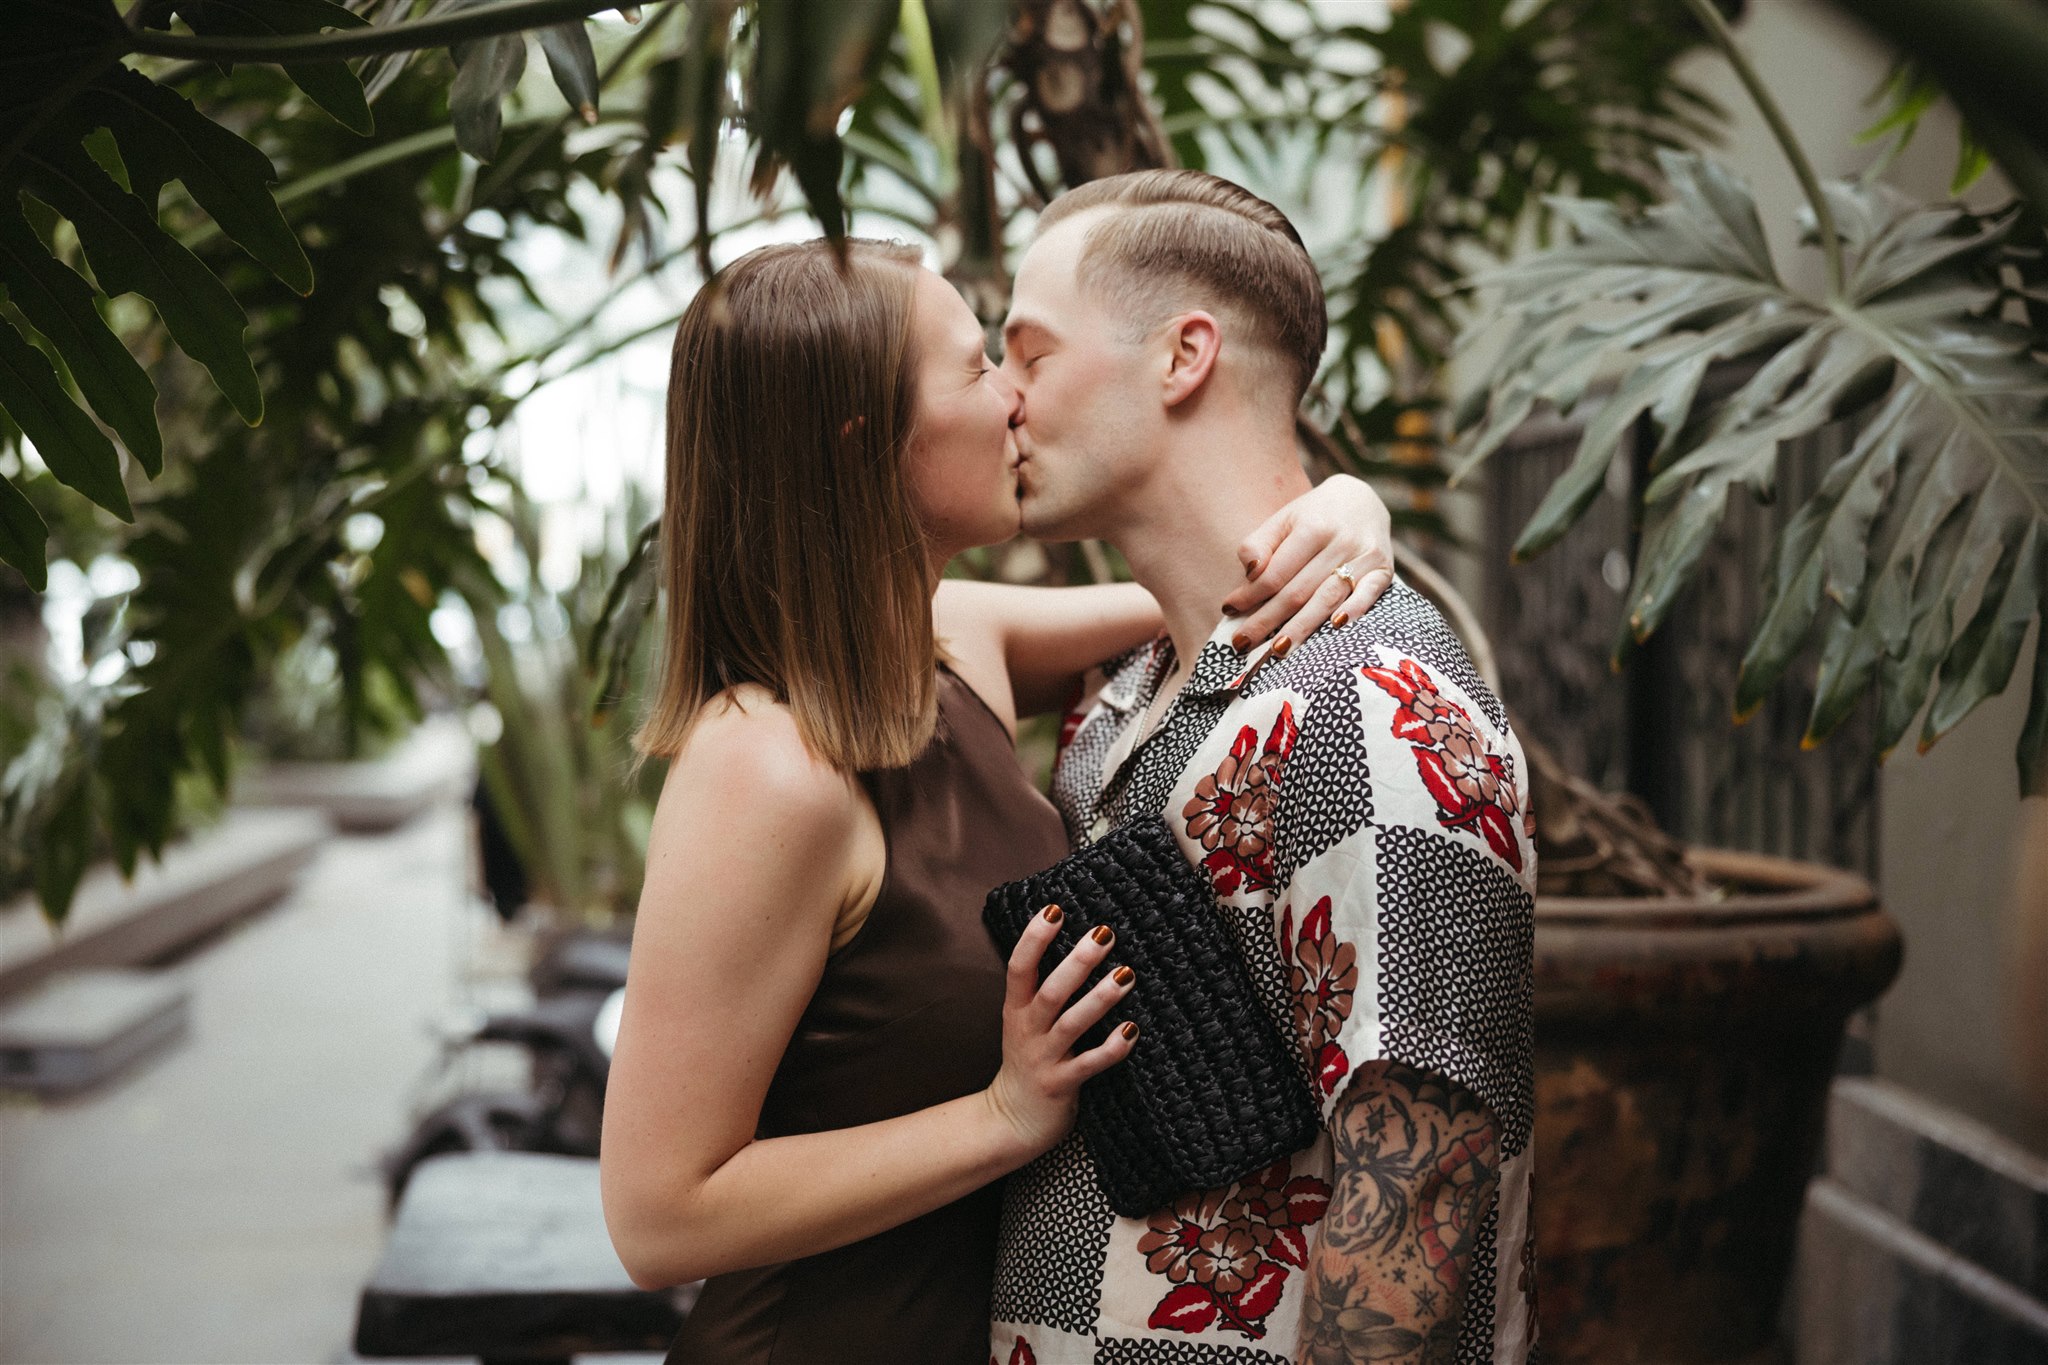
(201, 885)
(80, 1028)
(436, 762)
(504, 1256)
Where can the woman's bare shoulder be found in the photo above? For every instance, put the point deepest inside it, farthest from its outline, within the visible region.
(750, 814)
(747, 753)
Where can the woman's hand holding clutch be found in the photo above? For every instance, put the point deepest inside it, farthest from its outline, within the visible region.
(1037, 1091)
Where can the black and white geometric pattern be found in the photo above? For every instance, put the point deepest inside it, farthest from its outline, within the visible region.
(1055, 1225)
(1156, 1351)
(1403, 620)
(1147, 777)
(1115, 686)
(1456, 971)
(1475, 1333)
(1158, 766)
(1441, 920)
(1326, 789)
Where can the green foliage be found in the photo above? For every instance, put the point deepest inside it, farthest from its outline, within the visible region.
(561, 774)
(1508, 103)
(1942, 498)
(254, 539)
(349, 169)
(1989, 56)
(95, 141)
(1907, 96)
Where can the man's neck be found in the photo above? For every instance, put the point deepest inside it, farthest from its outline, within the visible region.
(1181, 537)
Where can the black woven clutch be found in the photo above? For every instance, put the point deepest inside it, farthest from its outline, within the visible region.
(1211, 1091)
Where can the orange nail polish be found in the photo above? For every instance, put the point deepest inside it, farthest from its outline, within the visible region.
(1103, 935)
(1052, 914)
(1129, 1031)
(1281, 646)
(1229, 610)
(1124, 976)
(1340, 618)
(1238, 643)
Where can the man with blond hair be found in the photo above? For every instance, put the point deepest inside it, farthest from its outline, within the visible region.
(1356, 798)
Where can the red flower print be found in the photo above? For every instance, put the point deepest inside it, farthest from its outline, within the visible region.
(1173, 1236)
(1020, 1354)
(1227, 1252)
(1279, 1211)
(1231, 811)
(1474, 788)
(1322, 974)
(1189, 1308)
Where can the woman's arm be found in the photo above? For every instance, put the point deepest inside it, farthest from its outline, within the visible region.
(757, 848)
(1024, 648)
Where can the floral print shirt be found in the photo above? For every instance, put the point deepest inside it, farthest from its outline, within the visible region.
(1360, 805)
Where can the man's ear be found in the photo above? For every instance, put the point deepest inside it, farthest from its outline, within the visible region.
(1193, 341)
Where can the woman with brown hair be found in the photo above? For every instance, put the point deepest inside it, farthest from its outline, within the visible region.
(822, 1064)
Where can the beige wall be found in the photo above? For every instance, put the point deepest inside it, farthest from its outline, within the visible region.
(1952, 1027)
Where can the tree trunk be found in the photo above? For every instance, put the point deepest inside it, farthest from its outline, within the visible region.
(1082, 96)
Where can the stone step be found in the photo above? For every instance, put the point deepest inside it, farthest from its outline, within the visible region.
(202, 883)
(1873, 1291)
(1926, 1242)
(80, 1028)
(1946, 1176)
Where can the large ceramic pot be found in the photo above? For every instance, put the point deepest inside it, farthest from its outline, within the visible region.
(1683, 1053)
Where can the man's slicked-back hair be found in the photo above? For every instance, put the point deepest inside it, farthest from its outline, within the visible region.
(1182, 239)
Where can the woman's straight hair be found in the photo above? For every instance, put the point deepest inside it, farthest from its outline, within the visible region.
(791, 553)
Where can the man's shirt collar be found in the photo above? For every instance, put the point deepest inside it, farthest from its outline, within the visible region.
(1218, 669)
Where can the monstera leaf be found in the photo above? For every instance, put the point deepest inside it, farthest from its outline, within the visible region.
(1942, 500)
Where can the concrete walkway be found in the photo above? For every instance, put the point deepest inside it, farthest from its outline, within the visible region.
(220, 1203)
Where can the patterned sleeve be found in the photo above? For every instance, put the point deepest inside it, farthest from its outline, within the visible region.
(1404, 898)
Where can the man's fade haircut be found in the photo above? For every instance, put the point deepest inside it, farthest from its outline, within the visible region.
(1187, 239)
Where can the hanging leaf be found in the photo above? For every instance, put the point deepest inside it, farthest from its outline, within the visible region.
(964, 34)
(701, 95)
(331, 85)
(129, 253)
(76, 451)
(573, 65)
(810, 61)
(59, 304)
(1943, 494)
(228, 177)
(23, 534)
(66, 850)
(486, 69)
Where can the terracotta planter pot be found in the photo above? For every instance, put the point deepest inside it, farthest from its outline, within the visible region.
(1683, 1054)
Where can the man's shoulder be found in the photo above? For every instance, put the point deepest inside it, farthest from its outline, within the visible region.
(1403, 624)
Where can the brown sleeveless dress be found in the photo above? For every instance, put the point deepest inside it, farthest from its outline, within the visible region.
(907, 1015)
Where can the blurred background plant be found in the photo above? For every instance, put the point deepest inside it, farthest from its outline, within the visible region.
(1921, 560)
(142, 150)
(558, 779)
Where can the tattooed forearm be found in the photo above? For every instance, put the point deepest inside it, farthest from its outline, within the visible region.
(1416, 1164)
